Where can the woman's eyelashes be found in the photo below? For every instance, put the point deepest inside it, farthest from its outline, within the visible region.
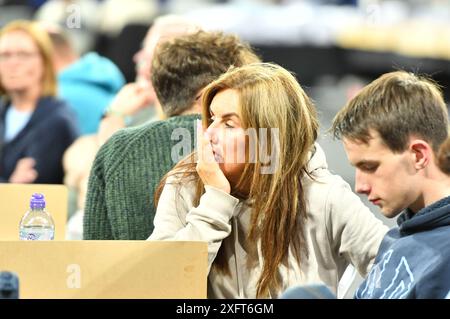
(226, 123)
(229, 124)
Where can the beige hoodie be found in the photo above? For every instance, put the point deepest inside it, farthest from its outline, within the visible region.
(340, 230)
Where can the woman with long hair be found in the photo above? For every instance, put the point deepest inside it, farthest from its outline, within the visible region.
(259, 192)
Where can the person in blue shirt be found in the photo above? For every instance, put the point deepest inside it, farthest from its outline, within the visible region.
(88, 83)
(392, 131)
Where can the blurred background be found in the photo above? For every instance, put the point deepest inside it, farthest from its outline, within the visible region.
(334, 47)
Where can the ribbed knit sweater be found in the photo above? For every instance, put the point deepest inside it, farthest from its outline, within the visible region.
(126, 171)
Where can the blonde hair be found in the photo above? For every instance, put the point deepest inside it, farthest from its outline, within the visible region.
(269, 97)
(45, 47)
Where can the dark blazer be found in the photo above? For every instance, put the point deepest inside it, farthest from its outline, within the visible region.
(50, 130)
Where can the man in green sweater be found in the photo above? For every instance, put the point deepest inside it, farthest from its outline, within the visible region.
(129, 166)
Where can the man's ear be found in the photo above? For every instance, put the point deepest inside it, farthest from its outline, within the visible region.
(422, 153)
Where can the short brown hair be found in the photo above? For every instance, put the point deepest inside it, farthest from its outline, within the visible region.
(184, 65)
(396, 105)
(45, 47)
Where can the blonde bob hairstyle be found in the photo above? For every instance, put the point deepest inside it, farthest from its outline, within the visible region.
(269, 97)
(43, 42)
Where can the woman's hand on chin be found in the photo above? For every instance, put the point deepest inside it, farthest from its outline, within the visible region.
(207, 167)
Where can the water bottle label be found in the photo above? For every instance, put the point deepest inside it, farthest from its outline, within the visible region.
(36, 234)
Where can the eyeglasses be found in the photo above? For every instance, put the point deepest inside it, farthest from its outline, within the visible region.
(20, 55)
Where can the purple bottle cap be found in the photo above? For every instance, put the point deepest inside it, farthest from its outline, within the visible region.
(37, 201)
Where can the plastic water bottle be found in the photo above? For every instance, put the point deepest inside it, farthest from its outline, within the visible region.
(37, 224)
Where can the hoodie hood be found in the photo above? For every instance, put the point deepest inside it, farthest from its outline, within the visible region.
(94, 70)
(317, 159)
(433, 216)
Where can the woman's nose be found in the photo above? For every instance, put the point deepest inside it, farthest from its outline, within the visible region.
(212, 133)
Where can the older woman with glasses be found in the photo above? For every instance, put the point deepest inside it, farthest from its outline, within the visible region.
(35, 127)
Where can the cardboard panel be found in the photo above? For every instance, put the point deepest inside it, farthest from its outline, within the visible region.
(107, 269)
(15, 201)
